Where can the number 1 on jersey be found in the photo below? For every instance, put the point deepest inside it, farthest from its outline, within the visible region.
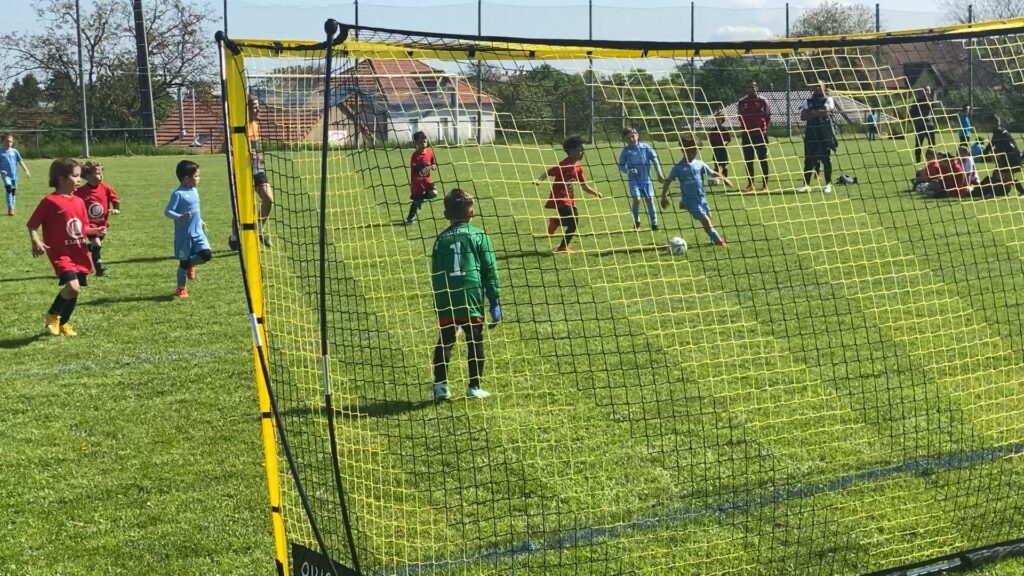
(457, 263)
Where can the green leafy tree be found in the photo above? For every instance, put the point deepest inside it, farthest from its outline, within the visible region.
(834, 18)
(25, 92)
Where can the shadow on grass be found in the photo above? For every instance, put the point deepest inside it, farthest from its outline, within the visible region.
(122, 300)
(374, 410)
(12, 343)
(28, 278)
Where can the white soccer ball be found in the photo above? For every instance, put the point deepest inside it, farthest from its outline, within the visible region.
(676, 246)
(712, 181)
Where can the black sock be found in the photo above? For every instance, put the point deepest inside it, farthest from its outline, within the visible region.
(95, 250)
(58, 305)
(69, 308)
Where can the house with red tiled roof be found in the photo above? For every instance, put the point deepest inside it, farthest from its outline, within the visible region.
(390, 100)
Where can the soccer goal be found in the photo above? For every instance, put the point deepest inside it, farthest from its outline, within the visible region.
(808, 360)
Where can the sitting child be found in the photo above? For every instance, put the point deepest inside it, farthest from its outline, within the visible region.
(998, 183)
(943, 176)
(964, 153)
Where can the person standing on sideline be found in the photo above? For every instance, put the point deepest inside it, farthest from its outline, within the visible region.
(819, 136)
(923, 118)
(10, 159)
(872, 121)
(755, 116)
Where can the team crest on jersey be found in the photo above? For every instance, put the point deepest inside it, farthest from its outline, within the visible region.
(74, 228)
(95, 211)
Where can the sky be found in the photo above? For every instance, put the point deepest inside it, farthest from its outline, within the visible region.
(661, 20)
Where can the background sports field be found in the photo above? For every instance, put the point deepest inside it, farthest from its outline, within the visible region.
(134, 448)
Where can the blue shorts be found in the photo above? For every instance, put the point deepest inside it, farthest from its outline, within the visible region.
(186, 248)
(697, 206)
(641, 190)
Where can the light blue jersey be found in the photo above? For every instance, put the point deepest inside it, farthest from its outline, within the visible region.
(635, 161)
(189, 237)
(9, 159)
(691, 183)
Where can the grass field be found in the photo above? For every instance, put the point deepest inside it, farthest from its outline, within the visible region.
(838, 390)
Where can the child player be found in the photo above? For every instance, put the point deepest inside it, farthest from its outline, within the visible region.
(191, 247)
(567, 171)
(635, 160)
(421, 185)
(719, 138)
(463, 272)
(10, 159)
(690, 173)
(63, 218)
(100, 202)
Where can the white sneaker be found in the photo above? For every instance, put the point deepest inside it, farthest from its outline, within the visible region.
(827, 189)
(441, 392)
(472, 393)
(804, 188)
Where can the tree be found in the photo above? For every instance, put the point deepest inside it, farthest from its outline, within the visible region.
(179, 50)
(832, 18)
(25, 92)
(983, 10)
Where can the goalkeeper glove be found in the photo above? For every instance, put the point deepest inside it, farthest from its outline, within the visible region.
(495, 314)
(634, 171)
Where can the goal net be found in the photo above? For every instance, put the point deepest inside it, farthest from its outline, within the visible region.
(825, 376)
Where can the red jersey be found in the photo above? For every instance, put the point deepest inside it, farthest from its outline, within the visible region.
(754, 113)
(63, 219)
(954, 179)
(719, 137)
(419, 176)
(567, 172)
(97, 202)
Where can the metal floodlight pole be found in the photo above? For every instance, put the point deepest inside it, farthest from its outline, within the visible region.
(789, 88)
(81, 80)
(225, 17)
(593, 79)
(970, 61)
(693, 69)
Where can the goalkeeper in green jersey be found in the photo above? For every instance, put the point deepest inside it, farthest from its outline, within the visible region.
(463, 271)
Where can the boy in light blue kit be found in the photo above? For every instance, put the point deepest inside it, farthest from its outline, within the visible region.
(635, 160)
(191, 247)
(690, 173)
(10, 159)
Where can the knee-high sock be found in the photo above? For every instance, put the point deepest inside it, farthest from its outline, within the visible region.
(69, 308)
(58, 305)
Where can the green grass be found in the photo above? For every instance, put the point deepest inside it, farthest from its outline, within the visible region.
(134, 448)
(834, 335)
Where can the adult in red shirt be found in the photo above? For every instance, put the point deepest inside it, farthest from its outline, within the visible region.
(64, 221)
(755, 116)
(100, 202)
(565, 174)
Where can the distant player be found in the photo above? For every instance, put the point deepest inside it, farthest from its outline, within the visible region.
(100, 203)
(755, 116)
(819, 136)
(566, 175)
(10, 159)
(923, 119)
(259, 174)
(690, 172)
(635, 161)
(191, 247)
(1004, 147)
(421, 165)
(966, 124)
(463, 272)
(65, 225)
(871, 119)
(719, 137)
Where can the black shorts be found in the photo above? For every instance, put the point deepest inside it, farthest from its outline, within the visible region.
(754, 142)
(259, 178)
(1011, 160)
(817, 149)
(83, 279)
(721, 155)
(10, 189)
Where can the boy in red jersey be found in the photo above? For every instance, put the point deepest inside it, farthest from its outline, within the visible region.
(421, 185)
(567, 171)
(754, 118)
(100, 202)
(64, 221)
